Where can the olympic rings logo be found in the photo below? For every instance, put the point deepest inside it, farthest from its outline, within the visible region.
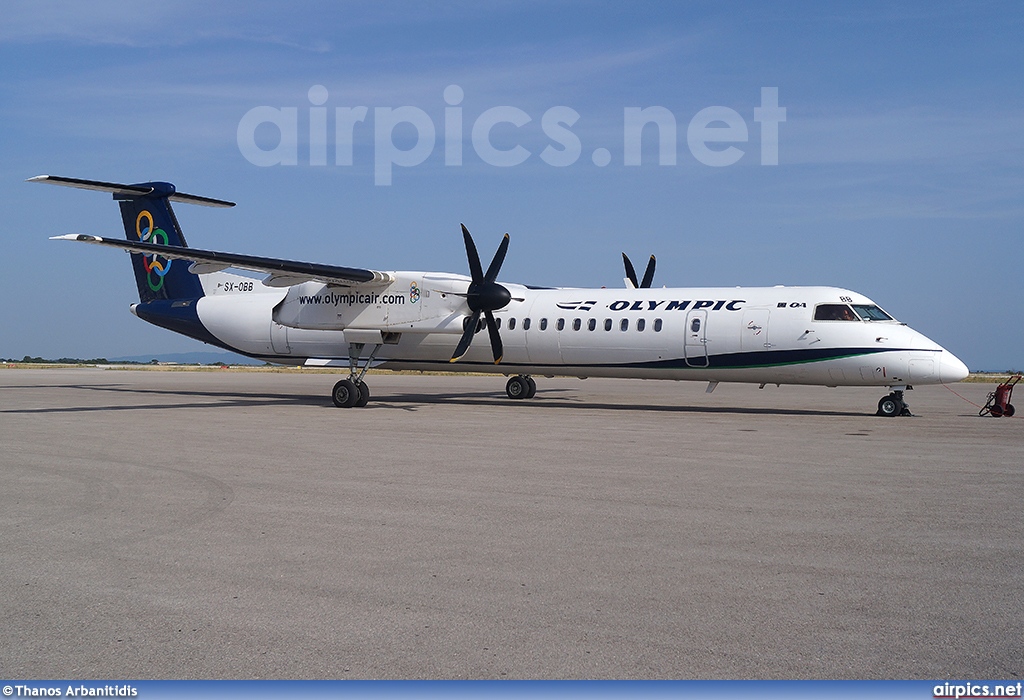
(156, 267)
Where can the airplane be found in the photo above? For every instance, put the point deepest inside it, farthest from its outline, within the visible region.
(318, 315)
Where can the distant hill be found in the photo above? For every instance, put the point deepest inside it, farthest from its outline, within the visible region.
(192, 358)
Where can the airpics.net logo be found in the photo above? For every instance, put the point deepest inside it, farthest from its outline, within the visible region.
(715, 136)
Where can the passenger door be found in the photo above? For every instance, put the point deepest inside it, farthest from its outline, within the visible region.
(695, 348)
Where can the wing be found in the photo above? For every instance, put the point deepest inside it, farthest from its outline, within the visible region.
(281, 273)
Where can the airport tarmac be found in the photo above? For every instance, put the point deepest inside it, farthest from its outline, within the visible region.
(237, 525)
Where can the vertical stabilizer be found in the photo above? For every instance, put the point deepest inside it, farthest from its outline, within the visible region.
(151, 219)
(148, 217)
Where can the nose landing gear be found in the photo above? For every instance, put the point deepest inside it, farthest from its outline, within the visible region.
(894, 405)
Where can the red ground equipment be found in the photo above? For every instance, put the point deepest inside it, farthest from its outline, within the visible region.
(998, 403)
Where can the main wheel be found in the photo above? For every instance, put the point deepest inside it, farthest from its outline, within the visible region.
(890, 406)
(364, 395)
(532, 391)
(517, 387)
(345, 394)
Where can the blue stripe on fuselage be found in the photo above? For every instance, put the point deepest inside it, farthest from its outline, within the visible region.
(739, 360)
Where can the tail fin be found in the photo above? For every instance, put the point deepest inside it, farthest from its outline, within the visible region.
(147, 216)
(150, 218)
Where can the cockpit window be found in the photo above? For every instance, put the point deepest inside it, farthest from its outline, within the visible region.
(870, 312)
(834, 312)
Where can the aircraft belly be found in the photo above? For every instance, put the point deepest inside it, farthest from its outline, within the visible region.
(317, 343)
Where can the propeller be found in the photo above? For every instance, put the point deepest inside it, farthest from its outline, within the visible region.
(631, 273)
(483, 297)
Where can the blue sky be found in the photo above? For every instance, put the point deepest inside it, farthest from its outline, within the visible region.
(900, 163)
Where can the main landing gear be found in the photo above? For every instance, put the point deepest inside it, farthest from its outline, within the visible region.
(894, 404)
(353, 391)
(348, 393)
(521, 386)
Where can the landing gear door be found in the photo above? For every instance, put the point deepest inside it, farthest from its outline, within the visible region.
(695, 348)
(279, 338)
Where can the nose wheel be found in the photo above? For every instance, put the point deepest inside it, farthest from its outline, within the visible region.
(893, 405)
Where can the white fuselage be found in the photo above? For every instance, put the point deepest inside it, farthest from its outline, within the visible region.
(733, 334)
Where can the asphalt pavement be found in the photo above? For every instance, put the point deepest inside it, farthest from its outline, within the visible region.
(236, 525)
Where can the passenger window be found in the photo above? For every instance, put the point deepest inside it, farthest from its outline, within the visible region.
(576, 324)
(834, 312)
(497, 321)
(526, 324)
(511, 324)
(657, 325)
(624, 325)
(561, 324)
(543, 324)
(607, 324)
(695, 325)
(640, 324)
(592, 324)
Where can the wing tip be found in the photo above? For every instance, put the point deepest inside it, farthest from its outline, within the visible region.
(76, 237)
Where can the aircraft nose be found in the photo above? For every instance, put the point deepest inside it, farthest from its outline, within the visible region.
(951, 369)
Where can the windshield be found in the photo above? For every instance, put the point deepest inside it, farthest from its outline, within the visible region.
(870, 312)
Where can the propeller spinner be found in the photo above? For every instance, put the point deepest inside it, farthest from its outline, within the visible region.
(483, 297)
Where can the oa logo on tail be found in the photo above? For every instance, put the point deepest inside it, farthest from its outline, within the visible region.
(156, 267)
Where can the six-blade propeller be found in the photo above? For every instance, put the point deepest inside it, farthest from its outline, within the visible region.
(483, 297)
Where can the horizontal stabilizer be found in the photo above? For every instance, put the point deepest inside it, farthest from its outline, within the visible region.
(131, 191)
(294, 271)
